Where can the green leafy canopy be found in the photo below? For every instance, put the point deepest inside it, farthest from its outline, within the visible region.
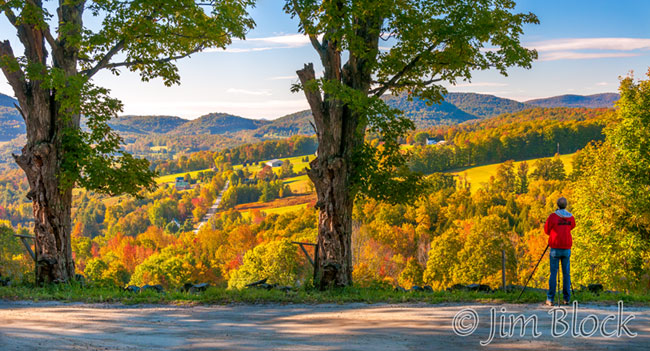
(143, 36)
(403, 46)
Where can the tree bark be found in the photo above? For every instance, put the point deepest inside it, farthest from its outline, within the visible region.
(51, 208)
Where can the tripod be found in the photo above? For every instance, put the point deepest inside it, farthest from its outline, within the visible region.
(531, 274)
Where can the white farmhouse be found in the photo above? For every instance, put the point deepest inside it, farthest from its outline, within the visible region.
(274, 163)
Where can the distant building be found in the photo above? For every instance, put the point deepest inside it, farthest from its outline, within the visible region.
(274, 163)
(181, 184)
(431, 141)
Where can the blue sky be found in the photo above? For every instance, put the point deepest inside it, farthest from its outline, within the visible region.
(584, 47)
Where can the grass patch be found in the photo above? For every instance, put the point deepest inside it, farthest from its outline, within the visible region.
(477, 176)
(217, 295)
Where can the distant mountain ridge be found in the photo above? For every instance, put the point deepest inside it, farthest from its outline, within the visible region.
(605, 100)
(146, 124)
(457, 108)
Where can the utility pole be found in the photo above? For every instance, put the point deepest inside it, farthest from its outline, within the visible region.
(558, 148)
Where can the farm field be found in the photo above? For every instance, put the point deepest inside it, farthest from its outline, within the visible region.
(299, 184)
(278, 206)
(477, 176)
(298, 164)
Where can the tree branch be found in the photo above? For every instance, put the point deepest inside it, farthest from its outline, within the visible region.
(320, 48)
(105, 60)
(306, 75)
(403, 84)
(378, 92)
(15, 76)
(163, 60)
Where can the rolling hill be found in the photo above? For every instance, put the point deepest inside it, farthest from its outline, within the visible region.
(480, 175)
(457, 108)
(7, 101)
(483, 105)
(218, 123)
(606, 100)
(425, 115)
(11, 122)
(295, 123)
(147, 124)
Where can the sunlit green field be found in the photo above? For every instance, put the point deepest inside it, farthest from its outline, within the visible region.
(277, 210)
(477, 176)
(298, 164)
(299, 184)
(158, 148)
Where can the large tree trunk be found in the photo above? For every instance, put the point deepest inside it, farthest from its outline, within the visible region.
(338, 138)
(51, 207)
(42, 155)
(41, 161)
(340, 133)
(329, 173)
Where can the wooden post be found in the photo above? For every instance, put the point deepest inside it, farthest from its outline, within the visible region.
(23, 239)
(314, 262)
(503, 269)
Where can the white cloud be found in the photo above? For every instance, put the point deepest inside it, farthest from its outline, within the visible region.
(602, 84)
(288, 41)
(283, 77)
(574, 55)
(230, 50)
(249, 92)
(481, 84)
(285, 41)
(589, 48)
(618, 44)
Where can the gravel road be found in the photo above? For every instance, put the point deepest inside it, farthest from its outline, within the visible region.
(61, 326)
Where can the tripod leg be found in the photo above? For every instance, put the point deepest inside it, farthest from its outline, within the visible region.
(558, 284)
(531, 274)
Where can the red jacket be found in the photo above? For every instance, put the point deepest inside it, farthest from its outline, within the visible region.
(558, 230)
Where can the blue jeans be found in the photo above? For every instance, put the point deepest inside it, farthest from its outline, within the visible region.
(556, 256)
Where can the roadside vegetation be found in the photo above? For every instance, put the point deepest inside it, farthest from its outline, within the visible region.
(215, 295)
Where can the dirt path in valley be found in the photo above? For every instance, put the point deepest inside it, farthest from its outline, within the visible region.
(58, 326)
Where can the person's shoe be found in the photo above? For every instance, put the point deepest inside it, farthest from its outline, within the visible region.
(549, 303)
(565, 302)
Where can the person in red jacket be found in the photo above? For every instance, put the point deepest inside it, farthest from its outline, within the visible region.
(558, 227)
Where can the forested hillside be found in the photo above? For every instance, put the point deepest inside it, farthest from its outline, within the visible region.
(147, 124)
(539, 132)
(484, 105)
